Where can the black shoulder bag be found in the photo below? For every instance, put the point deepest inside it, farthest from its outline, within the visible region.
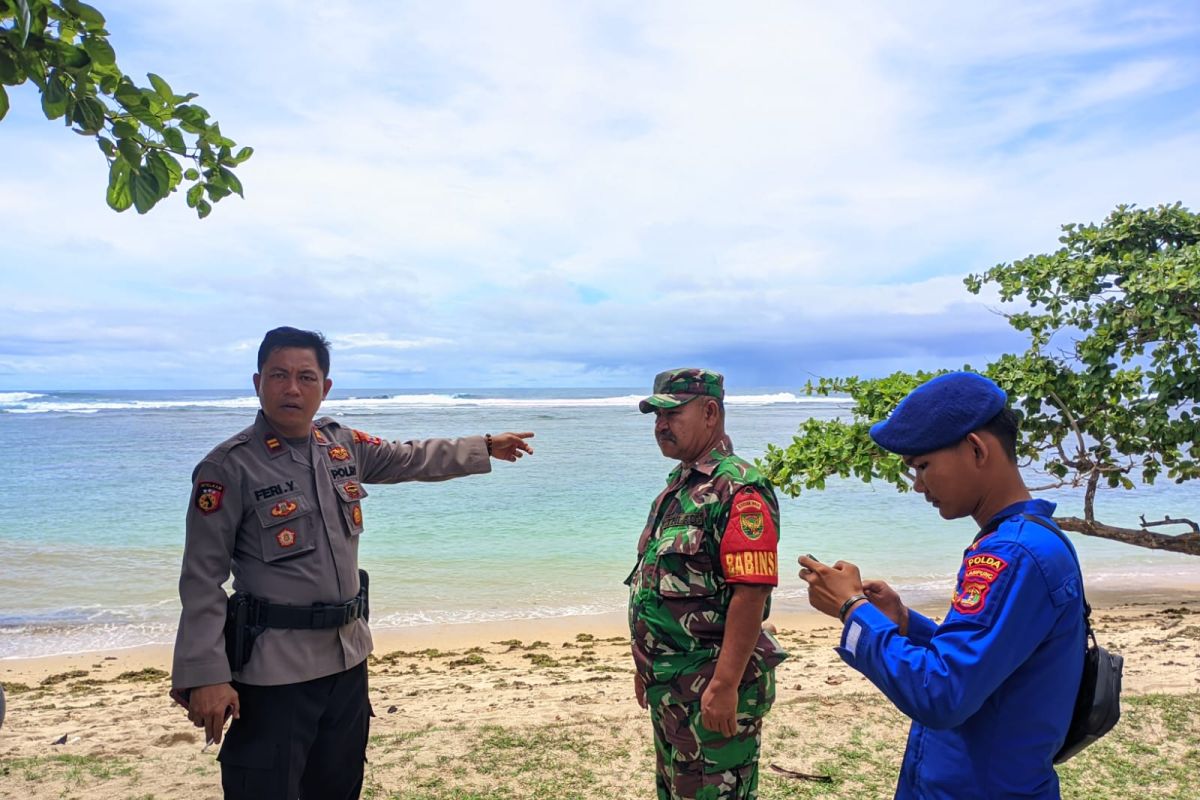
(1098, 704)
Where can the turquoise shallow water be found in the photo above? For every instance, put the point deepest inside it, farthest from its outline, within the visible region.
(91, 511)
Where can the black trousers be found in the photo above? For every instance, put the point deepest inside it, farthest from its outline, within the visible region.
(299, 740)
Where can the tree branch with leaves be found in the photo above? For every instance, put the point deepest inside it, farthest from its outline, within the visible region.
(1108, 391)
(62, 48)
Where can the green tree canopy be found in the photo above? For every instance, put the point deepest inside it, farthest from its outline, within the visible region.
(61, 46)
(1108, 391)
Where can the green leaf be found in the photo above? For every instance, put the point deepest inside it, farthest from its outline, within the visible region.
(192, 118)
(123, 130)
(146, 190)
(131, 151)
(3, 102)
(100, 50)
(162, 88)
(144, 115)
(165, 168)
(84, 12)
(106, 146)
(174, 140)
(119, 195)
(191, 174)
(243, 154)
(129, 95)
(217, 190)
(10, 72)
(23, 21)
(232, 182)
(203, 209)
(55, 97)
(89, 115)
(69, 56)
(195, 193)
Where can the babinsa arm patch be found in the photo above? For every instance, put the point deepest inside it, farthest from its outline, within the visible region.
(750, 543)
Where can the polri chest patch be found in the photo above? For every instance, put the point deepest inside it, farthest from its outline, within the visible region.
(284, 508)
(286, 537)
(339, 453)
(208, 496)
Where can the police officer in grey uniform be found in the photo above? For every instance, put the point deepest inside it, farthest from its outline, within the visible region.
(280, 505)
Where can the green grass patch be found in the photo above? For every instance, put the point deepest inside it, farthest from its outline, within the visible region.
(60, 677)
(541, 660)
(148, 674)
(472, 660)
(76, 771)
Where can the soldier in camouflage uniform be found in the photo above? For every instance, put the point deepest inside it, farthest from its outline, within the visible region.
(707, 560)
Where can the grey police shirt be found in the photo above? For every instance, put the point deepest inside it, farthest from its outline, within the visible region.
(286, 523)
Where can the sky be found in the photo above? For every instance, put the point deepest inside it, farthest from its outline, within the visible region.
(581, 194)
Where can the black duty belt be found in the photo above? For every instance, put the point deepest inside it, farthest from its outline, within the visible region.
(319, 615)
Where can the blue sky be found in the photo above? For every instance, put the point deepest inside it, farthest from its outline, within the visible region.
(581, 194)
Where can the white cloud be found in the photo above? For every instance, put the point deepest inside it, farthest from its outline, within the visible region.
(473, 189)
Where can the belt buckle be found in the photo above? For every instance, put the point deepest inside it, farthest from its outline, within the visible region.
(318, 617)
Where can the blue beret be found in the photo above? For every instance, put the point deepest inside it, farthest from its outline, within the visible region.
(939, 413)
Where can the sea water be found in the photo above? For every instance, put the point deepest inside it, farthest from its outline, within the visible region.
(96, 484)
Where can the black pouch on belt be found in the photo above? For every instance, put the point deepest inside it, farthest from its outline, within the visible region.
(239, 632)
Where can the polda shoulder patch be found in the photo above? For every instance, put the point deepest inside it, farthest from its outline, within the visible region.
(208, 496)
(980, 571)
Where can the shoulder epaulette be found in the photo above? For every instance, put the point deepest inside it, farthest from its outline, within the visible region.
(221, 451)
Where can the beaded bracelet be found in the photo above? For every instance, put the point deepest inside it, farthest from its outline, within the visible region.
(847, 605)
(487, 439)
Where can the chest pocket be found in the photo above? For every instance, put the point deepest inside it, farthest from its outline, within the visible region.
(287, 527)
(684, 566)
(351, 493)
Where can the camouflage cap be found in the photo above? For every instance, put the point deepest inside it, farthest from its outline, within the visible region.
(677, 386)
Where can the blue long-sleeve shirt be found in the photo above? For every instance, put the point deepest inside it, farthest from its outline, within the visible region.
(990, 691)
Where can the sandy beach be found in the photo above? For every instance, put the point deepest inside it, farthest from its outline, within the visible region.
(545, 709)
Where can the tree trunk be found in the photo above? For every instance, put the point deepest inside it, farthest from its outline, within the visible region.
(1188, 543)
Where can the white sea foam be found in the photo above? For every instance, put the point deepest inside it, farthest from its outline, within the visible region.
(96, 406)
(34, 641)
(409, 619)
(11, 398)
(18, 403)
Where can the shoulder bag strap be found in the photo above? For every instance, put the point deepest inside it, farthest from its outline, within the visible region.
(1087, 608)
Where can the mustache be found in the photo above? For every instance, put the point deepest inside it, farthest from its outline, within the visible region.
(664, 437)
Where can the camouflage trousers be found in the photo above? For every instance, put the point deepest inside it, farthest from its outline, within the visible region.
(695, 763)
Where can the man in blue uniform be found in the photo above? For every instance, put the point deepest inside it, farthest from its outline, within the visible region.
(990, 691)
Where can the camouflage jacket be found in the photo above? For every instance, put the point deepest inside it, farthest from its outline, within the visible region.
(678, 596)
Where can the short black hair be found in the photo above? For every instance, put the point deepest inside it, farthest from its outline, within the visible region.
(294, 337)
(1004, 426)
